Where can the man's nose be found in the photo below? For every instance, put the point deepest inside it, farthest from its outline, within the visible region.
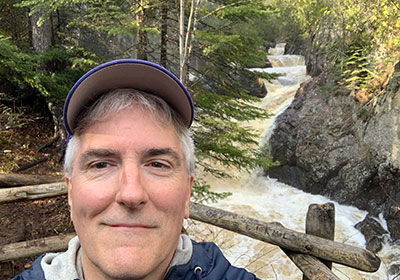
(131, 191)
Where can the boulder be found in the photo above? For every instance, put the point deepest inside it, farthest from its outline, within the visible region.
(374, 233)
(328, 143)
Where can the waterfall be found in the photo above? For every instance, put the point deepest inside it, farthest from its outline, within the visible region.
(269, 200)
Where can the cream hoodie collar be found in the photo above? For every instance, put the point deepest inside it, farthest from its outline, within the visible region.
(67, 265)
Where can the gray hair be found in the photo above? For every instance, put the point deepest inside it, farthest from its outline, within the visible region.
(117, 100)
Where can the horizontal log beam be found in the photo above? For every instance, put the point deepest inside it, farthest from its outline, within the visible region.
(276, 234)
(14, 180)
(35, 247)
(33, 192)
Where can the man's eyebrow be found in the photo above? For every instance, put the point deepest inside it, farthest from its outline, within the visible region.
(164, 151)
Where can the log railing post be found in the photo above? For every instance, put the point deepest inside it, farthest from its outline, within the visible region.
(320, 221)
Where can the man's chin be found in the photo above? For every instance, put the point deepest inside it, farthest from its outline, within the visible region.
(131, 263)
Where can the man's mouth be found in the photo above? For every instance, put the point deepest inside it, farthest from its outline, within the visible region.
(131, 227)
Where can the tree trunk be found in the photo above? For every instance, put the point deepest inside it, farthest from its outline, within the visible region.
(141, 45)
(56, 111)
(41, 34)
(186, 39)
(42, 37)
(164, 35)
(190, 40)
(181, 37)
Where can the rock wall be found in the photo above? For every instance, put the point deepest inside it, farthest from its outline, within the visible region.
(327, 143)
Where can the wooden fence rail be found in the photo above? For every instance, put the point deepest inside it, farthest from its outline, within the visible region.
(305, 250)
(276, 234)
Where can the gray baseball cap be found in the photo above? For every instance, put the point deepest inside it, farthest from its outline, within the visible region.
(127, 73)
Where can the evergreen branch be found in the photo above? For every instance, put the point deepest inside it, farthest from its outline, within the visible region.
(225, 7)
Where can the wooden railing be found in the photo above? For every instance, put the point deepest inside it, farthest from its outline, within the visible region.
(312, 252)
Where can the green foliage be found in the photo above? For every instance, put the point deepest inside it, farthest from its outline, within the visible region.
(14, 23)
(104, 27)
(60, 69)
(267, 76)
(14, 118)
(357, 67)
(358, 39)
(239, 11)
(238, 49)
(201, 193)
(228, 144)
(8, 163)
(215, 106)
(17, 66)
(50, 74)
(226, 43)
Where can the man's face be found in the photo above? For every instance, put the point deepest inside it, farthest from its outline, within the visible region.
(129, 193)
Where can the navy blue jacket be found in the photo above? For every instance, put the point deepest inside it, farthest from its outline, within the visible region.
(207, 263)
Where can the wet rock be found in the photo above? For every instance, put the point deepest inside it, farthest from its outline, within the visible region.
(394, 269)
(373, 232)
(327, 143)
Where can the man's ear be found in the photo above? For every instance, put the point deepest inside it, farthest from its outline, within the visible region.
(187, 203)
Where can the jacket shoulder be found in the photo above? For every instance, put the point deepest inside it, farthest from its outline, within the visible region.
(35, 272)
(216, 265)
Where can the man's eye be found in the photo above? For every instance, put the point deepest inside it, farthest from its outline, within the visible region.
(99, 165)
(157, 164)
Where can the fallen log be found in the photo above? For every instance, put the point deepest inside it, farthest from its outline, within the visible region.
(276, 234)
(27, 165)
(14, 180)
(33, 192)
(35, 247)
(48, 144)
(312, 268)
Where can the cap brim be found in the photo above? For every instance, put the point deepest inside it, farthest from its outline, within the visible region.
(127, 73)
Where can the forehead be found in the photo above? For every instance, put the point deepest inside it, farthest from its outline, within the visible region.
(113, 102)
(131, 127)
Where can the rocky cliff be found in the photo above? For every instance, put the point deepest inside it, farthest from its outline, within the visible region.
(327, 143)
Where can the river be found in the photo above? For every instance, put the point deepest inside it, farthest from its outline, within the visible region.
(269, 200)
